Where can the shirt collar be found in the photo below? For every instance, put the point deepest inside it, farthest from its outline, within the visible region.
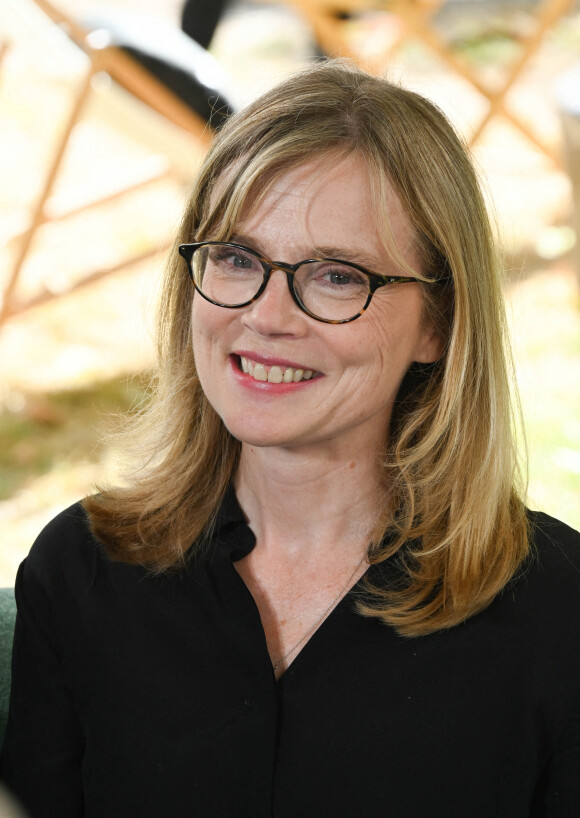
(234, 538)
(232, 535)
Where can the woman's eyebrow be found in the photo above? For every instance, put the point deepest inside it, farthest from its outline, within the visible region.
(344, 254)
(350, 254)
(247, 241)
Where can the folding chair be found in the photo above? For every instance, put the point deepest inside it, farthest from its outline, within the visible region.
(160, 66)
(328, 20)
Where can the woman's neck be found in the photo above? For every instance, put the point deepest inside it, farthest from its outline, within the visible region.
(302, 503)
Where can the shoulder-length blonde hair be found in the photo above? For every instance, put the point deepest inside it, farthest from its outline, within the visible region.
(456, 523)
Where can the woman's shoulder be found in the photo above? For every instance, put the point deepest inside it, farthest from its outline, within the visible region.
(555, 545)
(550, 577)
(65, 549)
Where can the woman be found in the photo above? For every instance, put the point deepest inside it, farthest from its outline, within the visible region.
(320, 594)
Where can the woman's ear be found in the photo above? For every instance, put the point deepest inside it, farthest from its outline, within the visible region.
(430, 346)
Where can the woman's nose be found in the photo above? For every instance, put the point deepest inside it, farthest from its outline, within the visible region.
(275, 311)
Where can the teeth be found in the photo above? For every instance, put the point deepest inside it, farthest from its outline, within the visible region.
(274, 374)
(259, 372)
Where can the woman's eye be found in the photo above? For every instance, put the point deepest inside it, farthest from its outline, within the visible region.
(239, 261)
(342, 277)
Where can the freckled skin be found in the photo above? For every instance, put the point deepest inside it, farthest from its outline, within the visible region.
(362, 363)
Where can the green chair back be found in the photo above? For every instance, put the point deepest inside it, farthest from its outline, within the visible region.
(7, 617)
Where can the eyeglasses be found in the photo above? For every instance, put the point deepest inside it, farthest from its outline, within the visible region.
(327, 289)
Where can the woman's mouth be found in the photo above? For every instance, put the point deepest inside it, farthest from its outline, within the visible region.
(274, 374)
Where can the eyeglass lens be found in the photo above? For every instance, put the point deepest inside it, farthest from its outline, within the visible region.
(231, 277)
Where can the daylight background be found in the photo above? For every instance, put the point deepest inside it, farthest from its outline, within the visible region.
(68, 363)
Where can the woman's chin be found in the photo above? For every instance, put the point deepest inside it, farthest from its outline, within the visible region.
(261, 439)
(264, 435)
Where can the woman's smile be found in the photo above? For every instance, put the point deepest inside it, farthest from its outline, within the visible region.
(263, 371)
(274, 374)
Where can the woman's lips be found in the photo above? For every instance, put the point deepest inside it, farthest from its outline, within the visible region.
(274, 373)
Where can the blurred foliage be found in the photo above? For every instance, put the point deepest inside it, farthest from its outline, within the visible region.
(488, 38)
(39, 431)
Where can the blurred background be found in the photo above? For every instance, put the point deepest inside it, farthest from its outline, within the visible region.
(95, 165)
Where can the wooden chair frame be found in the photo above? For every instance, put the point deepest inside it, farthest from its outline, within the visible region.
(326, 18)
(131, 76)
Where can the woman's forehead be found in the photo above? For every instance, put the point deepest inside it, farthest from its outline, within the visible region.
(301, 182)
(325, 208)
(251, 182)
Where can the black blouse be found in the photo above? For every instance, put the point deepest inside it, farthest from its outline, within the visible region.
(149, 696)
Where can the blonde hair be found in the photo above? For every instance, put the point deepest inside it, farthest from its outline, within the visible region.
(456, 523)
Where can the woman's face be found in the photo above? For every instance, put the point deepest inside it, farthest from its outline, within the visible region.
(356, 367)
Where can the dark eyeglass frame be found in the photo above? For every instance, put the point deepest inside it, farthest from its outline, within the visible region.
(375, 279)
